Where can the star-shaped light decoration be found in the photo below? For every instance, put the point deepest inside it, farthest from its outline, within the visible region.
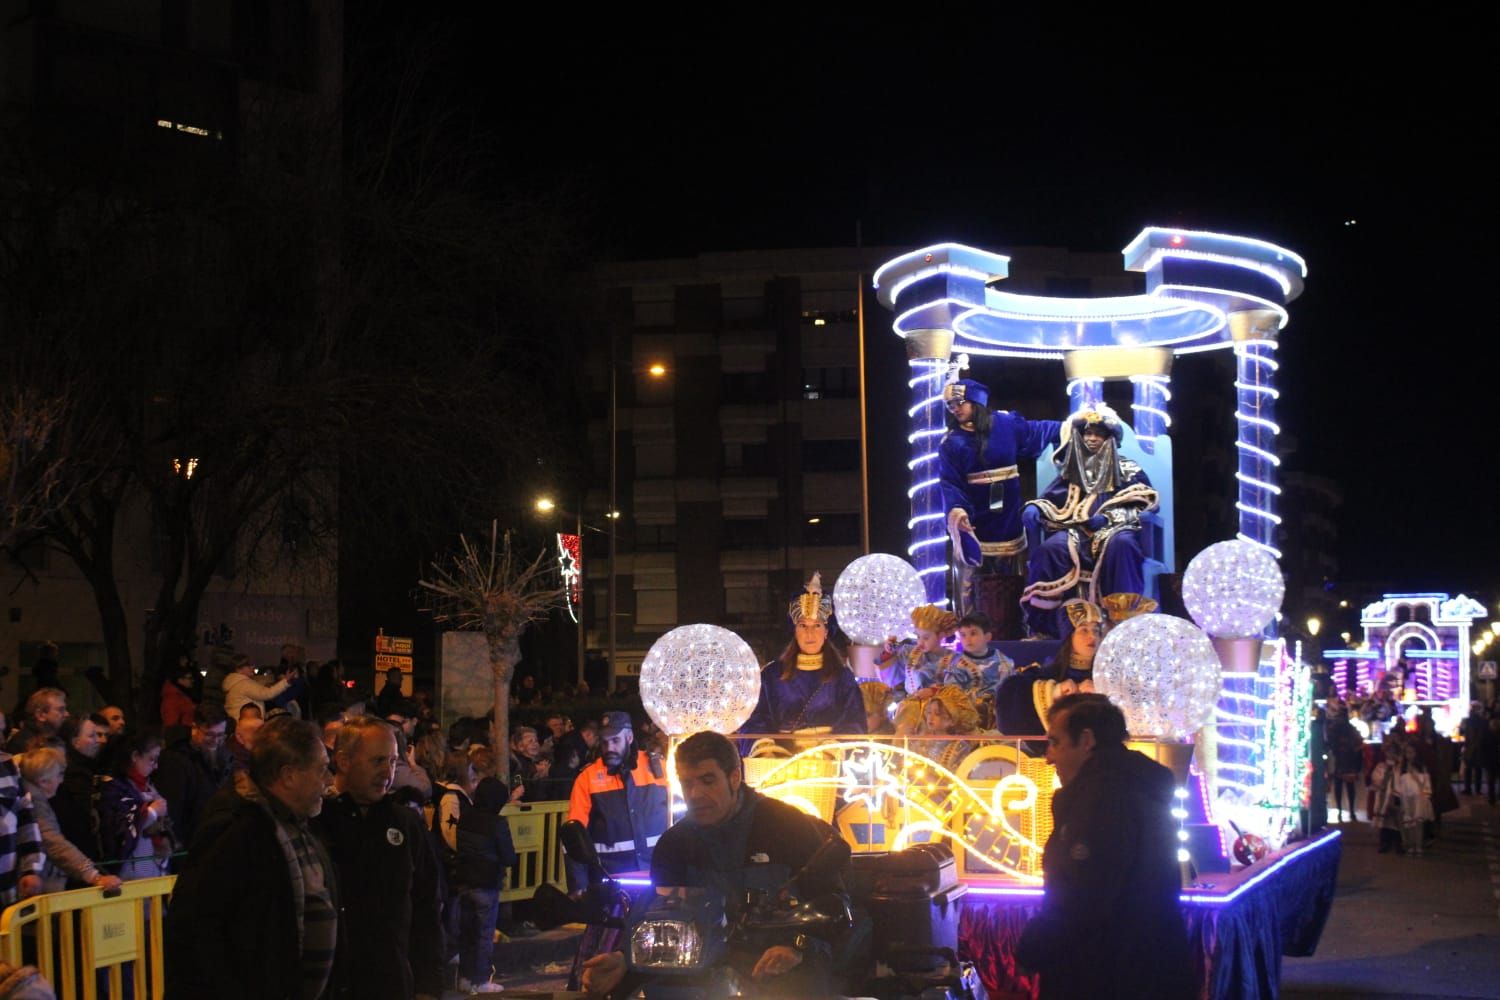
(868, 778)
(568, 564)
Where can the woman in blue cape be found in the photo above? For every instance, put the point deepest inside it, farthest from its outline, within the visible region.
(809, 688)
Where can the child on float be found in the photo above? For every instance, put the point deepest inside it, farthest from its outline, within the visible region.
(950, 711)
(978, 654)
(1024, 698)
(917, 667)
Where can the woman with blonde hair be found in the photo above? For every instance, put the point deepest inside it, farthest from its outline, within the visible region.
(67, 866)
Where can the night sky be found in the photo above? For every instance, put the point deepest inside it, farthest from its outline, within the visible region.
(771, 130)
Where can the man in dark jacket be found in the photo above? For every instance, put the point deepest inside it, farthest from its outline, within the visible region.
(192, 769)
(1110, 924)
(255, 913)
(731, 840)
(387, 871)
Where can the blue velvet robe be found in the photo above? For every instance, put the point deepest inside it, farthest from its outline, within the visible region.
(804, 701)
(993, 509)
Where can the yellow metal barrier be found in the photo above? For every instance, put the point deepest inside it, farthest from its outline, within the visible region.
(534, 828)
(69, 936)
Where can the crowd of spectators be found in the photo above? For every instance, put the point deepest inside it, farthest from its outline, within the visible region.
(93, 800)
(1402, 768)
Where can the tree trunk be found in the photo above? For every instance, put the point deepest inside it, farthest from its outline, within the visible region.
(116, 630)
(504, 655)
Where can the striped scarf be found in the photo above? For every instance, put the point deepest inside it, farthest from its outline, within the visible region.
(310, 871)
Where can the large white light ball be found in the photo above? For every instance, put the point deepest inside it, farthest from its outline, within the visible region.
(1163, 673)
(699, 677)
(1233, 589)
(874, 597)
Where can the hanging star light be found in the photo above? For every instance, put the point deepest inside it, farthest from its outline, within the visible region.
(868, 778)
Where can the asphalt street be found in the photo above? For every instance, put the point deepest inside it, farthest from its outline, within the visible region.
(1424, 927)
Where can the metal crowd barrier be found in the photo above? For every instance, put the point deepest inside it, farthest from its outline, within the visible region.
(82, 940)
(534, 828)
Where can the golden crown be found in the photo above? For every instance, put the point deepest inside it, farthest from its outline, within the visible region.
(1080, 612)
(811, 606)
(1121, 607)
(934, 619)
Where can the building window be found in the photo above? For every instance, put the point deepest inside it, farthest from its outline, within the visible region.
(656, 607)
(744, 310)
(830, 456)
(742, 459)
(751, 534)
(830, 383)
(655, 461)
(748, 603)
(656, 538)
(827, 317)
(746, 387)
(831, 529)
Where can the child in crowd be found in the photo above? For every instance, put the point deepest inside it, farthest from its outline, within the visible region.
(1414, 786)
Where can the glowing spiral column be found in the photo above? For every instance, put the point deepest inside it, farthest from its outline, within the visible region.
(1255, 418)
(927, 353)
(1149, 409)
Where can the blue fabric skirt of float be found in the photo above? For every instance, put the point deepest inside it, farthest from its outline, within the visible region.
(1239, 926)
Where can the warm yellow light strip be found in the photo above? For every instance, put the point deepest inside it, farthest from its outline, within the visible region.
(945, 804)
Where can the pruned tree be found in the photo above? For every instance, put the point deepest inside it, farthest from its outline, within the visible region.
(490, 588)
(38, 476)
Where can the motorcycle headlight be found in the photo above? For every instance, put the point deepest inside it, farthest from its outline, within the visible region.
(666, 944)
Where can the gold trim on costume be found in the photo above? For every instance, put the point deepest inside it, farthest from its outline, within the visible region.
(986, 476)
(1014, 547)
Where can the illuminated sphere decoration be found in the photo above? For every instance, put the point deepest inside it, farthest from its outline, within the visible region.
(700, 677)
(1233, 589)
(874, 597)
(1163, 673)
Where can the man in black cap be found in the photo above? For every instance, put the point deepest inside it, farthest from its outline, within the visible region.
(621, 798)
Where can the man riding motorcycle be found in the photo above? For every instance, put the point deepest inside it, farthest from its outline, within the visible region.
(732, 840)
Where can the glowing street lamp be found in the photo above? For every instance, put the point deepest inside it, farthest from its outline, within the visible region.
(545, 505)
(656, 370)
(1314, 626)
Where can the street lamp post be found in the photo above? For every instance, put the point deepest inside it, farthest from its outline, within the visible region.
(655, 370)
(546, 506)
(612, 513)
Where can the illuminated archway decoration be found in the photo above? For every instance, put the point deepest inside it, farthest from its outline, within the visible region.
(997, 823)
(1443, 623)
(1405, 633)
(1204, 291)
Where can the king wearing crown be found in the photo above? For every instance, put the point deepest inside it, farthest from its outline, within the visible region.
(1085, 527)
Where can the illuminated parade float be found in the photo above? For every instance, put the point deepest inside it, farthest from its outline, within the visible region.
(1223, 703)
(1418, 647)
